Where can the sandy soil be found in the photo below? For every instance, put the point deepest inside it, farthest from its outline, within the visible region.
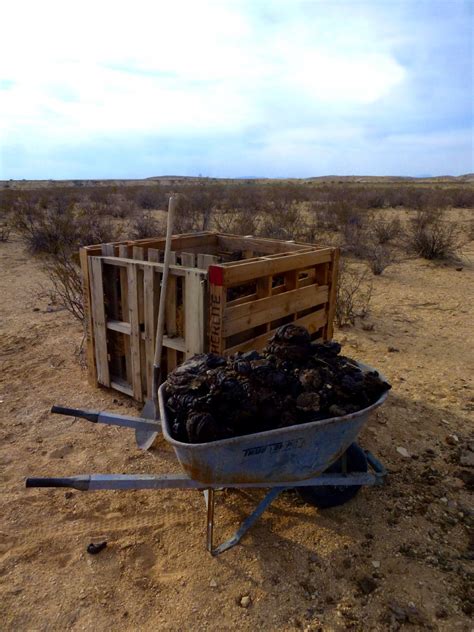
(396, 557)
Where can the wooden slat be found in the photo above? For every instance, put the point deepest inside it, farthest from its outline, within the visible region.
(154, 255)
(170, 322)
(139, 253)
(98, 320)
(132, 276)
(150, 289)
(86, 294)
(266, 310)
(194, 313)
(312, 322)
(217, 302)
(141, 265)
(331, 308)
(120, 385)
(108, 250)
(188, 259)
(264, 289)
(123, 252)
(120, 326)
(205, 260)
(174, 344)
(253, 270)
(235, 242)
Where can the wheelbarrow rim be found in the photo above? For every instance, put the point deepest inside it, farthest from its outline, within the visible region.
(275, 431)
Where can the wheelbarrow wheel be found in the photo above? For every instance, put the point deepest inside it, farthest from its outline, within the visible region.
(334, 495)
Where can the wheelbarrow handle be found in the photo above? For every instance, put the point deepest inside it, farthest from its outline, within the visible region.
(77, 482)
(90, 415)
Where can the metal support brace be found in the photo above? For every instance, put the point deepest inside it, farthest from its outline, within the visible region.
(244, 527)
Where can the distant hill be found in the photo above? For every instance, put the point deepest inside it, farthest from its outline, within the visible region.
(170, 180)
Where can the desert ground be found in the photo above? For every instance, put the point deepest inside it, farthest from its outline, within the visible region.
(395, 557)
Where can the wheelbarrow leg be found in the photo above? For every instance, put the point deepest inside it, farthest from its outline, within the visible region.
(244, 527)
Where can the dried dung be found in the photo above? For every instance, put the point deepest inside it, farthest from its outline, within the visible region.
(292, 381)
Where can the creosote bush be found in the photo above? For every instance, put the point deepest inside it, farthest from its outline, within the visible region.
(431, 236)
(354, 293)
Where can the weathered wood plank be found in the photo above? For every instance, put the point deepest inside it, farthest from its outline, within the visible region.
(188, 259)
(170, 322)
(217, 302)
(255, 269)
(151, 315)
(120, 326)
(132, 276)
(123, 251)
(206, 260)
(312, 322)
(194, 313)
(331, 307)
(242, 317)
(86, 294)
(99, 320)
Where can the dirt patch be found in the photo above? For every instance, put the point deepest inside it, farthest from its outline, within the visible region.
(396, 557)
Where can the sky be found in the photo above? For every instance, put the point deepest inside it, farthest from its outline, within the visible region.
(240, 88)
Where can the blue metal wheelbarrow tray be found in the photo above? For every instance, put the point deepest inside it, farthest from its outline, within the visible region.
(319, 459)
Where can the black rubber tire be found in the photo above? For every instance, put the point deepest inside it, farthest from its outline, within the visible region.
(335, 495)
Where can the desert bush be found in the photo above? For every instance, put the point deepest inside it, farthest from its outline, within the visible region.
(385, 231)
(5, 230)
(354, 292)
(379, 257)
(56, 233)
(431, 236)
(239, 222)
(283, 223)
(144, 225)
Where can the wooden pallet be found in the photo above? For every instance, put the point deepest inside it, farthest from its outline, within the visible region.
(226, 293)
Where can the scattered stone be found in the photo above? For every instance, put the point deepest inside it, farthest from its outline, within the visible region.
(36, 309)
(368, 326)
(245, 601)
(60, 453)
(375, 563)
(367, 585)
(407, 614)
(459, 269)
(452, 439)
(213, 583)
(443, 500)
(393, 350)
(403, 452)
(467, 458)
(68, 495)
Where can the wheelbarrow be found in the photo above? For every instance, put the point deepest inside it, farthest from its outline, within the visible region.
(320, 460)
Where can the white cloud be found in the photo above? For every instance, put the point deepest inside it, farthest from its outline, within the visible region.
(97, 69)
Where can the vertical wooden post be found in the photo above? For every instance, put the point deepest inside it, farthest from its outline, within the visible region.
(193, 313)
(99, 322)
(86, 294)
(217, 302)
(331, 305)
(134, 320)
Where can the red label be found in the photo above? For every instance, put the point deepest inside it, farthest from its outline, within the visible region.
(216, 275)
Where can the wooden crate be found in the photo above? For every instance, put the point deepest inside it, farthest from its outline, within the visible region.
(226, 293)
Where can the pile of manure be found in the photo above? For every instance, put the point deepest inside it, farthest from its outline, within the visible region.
(292, 381)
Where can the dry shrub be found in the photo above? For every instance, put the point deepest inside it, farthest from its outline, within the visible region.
(354, 292)
(431, 236)
(241, 222)
(5, 230)
(379, 257)
(280, 223)
(145, 226)
(56, 233)
(385, 231)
